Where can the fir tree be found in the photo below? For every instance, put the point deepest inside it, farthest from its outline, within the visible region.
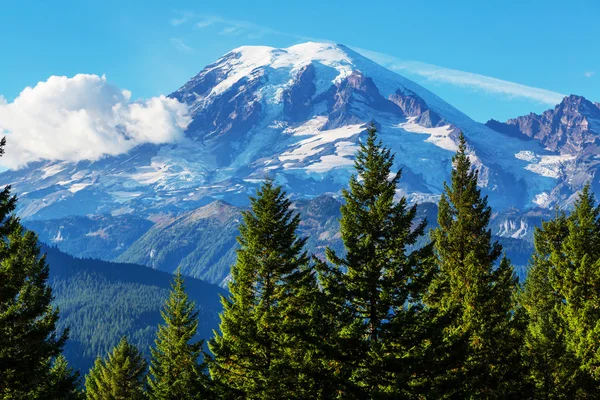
(62, 384)
(270, 322)
(551, 368)
(575, 277)
(469, 279)
(29, 343)
(175, 370)
(119, 377)
(375, 289)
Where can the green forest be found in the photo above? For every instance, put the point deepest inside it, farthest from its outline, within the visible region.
(401, 312)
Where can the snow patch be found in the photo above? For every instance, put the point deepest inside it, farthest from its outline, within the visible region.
(546, 165)
(438, 136)
(327, 163)
(313, 145)
(542, 200)
(295, 57)
(76, 187)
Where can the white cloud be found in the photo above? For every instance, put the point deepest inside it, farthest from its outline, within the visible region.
(84, 118)
(589, 74)
(231, 31)
(236, 27)
(181, 46)
(182, 18)
(204, 23)
(464, 79)
(178, 21)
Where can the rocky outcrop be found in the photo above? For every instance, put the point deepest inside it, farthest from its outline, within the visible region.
(297, 104)
(572, 127)
(353, 99)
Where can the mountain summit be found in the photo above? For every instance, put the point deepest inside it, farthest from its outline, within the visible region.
(297, 114)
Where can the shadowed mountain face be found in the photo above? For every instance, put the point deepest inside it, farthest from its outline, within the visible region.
(202, 242)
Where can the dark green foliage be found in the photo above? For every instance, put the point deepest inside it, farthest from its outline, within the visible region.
(552, 369)
(264, 349)
(468, 279)
(63, 382)
(562, 299)
(101, 302)
(120, 376)
(175, 369)
(383, 332)
(576, 278)
(29, 340)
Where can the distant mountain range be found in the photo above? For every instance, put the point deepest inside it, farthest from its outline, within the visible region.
(298, 114)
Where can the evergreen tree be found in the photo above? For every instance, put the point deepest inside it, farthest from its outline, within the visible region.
(28, 339)
(575, 277)
(119, 377)
(552, 369)
(175, 370)
(385, 333)
(63, 383)
(266, 348)
(469, 279)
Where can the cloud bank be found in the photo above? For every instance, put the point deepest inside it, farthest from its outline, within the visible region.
(464, 79)
(84, 118)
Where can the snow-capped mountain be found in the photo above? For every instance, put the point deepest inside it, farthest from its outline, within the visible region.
(297, 114)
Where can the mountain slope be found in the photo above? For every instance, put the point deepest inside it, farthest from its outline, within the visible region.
(297, 114)
(101, 301)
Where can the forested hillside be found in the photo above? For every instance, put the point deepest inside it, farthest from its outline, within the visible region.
(101, 301)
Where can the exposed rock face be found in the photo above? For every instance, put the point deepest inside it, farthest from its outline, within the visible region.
(411, 104)
(572, 127)
(414, 106)
(297, 99)
(348, 100)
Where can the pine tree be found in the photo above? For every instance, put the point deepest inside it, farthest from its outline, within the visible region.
(375, 289)
(119, 377)
(575, 277)
(469, 279)
(29, 343)
(270, 322)
(175, 370)
(552, 369)
(63, 383)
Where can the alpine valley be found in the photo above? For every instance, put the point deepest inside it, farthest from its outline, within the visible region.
(298, 115)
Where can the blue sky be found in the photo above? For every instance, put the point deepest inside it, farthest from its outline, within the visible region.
(490, 59)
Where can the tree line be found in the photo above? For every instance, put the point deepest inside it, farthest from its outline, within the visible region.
(386, 319)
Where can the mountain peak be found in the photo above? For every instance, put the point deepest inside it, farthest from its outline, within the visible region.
(571, 127)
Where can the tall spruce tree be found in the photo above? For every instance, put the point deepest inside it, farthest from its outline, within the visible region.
(552, 369)
(375, 288)
(119, 377)
(29, 342)
(175, 369)
(266, 347)
(575, 277)
(469, 279)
